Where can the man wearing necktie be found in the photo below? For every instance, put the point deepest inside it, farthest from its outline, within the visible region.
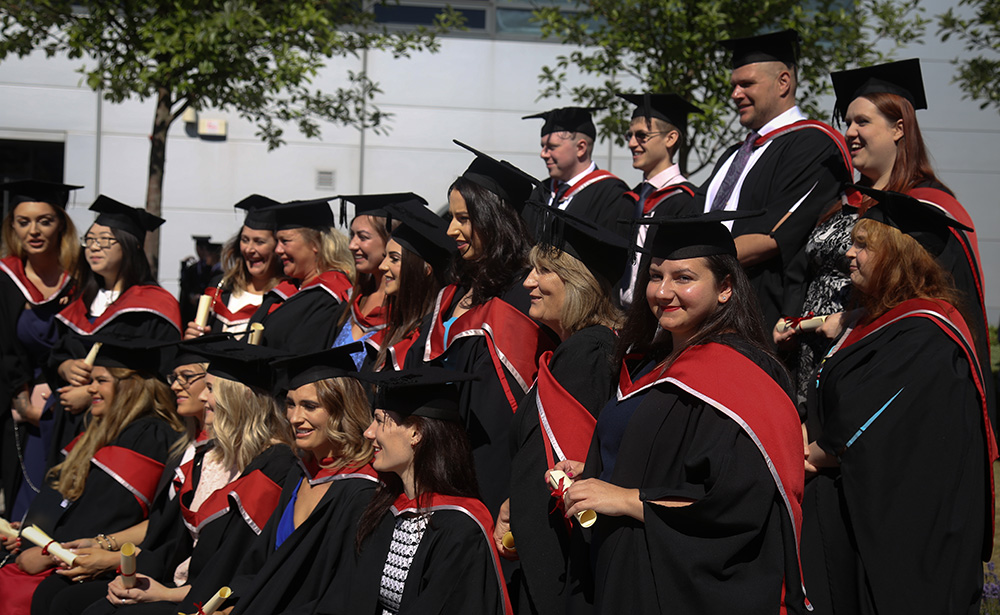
(787, 165)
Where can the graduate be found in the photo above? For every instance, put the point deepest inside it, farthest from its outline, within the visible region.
(302, 317)
(425, 539)
(574, 268)
(695, 467)
(40, 255)
(899, 518)
(110, 472)
(479, 323)
(251, 269)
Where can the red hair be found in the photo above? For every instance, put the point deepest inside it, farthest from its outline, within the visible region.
(912, 166)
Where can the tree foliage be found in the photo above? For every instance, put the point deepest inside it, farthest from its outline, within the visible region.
(671, 46)
(980, 34)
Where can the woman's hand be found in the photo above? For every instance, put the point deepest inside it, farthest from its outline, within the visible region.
(145, 590)
(833, 326)
(90, 561)
(500, 529)
(32, 561)
(572, 469)
(194, 330)
(602, 498)
(75, 371)
(782, 338)
(817, 458)
(12, 545)
(74, 399)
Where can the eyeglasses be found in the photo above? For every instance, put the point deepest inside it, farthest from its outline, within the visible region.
(94, 243)
(641, 135)
(185, 380)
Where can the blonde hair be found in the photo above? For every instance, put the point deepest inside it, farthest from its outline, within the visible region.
(350, 415)
(588, 299)
(69, 243)
(136, 396)
(246, 423)
(333, 254)
(236, 276)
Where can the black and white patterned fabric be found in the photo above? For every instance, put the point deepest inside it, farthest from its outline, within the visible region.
(406, 537)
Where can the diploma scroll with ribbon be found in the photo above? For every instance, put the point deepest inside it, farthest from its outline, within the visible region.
(560, 483)
(805, 323)
(92, 355)
(6, 530)
(127, 567)
(255, 333)
(204, 309)
(40, 538)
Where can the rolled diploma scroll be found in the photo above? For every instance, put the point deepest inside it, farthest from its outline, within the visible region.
(585, 517)
(508, 542)
(6, 530)
(92, 355)
(256, 331)
(204, 308)
(128, 565)
(810, 324)
(217, 600)
(42, 539)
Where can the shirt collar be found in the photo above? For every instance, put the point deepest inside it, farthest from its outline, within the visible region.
(667, 177)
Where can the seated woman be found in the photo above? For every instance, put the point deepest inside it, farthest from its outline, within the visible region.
(251, 269)
(303, 318)
(570, 286)
(228, 492)
(899, 426)
(695, 467)
(110, 472)
(424, 540)
(308, 545)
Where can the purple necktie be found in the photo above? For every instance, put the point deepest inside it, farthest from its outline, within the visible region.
(733, 173)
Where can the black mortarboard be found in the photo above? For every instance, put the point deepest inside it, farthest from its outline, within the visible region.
(426, 391)
(260, 212)
(572, 119)
(315, 214)
(233, 360)
(500, 177)
(38, 191)
(670, 108)
(604, 253)
(134, 221)
(772, 47)
(202, 240)
(140, 354)
(294, 372)
(692, 236)
(902, 78)
(926, 223)
(177, 354)
(424, 233)
(375, 204)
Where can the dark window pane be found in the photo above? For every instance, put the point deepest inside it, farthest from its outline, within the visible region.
(424, 15)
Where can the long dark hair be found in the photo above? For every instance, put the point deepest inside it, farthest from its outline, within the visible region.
(134, 271)
(442, 464)
(414, 300)
(740, 316)
(504, 240)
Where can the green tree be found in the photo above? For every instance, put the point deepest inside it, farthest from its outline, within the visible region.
(980, 33)
(256, 59)
(671, 46)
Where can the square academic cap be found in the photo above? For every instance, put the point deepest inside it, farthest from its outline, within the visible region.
(604, 253)
(500, 177)
(670, 108)
(902, 78)
(134, 221)
(238, 361)
(426, 391)
(375, 204)
(294, 372)
(260, 213)
(679, 238)
(772, 47)
(925, 222)
(34, 190)
(145, 355)
(571, 119)
(424, 233)
(314, 214)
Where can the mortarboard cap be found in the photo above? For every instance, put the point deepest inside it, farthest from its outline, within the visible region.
(424, 233)
(571, 119)
(177, 354)
(375, 204)
(260, 215)
(294, 372)
(926, 223)
(692, 236)
(670, 108)
(238, 361)
(38, 191)
(315, 214)
(146, 355)
(426, 391)
(134, 221)
(202, 240)
(604, 253)
(902, 78)
(780, 46)
(500, 177)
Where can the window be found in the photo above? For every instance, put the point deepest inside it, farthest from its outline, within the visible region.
(492, 18)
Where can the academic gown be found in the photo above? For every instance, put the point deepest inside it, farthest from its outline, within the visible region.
(904, 524)
(581, 369)
(803, 168)
(318, 556)
(306, 320)
(498, 342)
(598, 197)
(221, 316)
(455, 568)
(693, 435)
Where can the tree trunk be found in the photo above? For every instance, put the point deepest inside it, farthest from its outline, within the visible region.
(157, 160)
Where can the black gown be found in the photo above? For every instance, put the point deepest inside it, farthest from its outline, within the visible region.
(305, 321)
(806, 161)
(690, 433)
(598, 197)
(904, 523)
(582, 366)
